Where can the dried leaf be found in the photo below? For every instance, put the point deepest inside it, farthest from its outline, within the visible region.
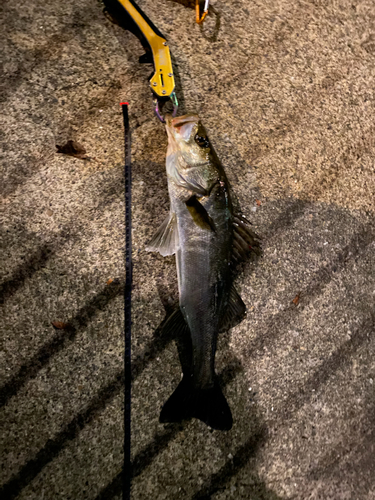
(59, 325)
(74, 149)
(113, 281)
(296, 300)
(258, 202)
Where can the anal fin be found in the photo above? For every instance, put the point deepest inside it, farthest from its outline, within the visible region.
(235, 312)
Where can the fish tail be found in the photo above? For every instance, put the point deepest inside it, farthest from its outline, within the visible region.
(207, 405)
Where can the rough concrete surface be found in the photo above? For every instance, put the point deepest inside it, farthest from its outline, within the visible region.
(286, 91)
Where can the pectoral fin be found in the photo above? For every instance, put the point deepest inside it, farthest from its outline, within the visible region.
(200, 214)
(165, 240)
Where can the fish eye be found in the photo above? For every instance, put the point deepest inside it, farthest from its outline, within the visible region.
(202, 141)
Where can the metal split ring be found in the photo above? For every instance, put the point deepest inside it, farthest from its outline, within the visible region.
(160, 103)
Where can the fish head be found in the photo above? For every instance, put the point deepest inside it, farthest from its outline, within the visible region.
(187, 138)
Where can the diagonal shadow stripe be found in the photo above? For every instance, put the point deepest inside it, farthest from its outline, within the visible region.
(68, 233)
(338, 360)
(161, 441)
(160, 341)
(30, 60)
(219, 479)
(290, 214)
(59, 341)
(31, 266)
(114, 488)
(54, 446)
(278, 322)
(335, 362)
(110, 191)
(296, 209)
(358, 451)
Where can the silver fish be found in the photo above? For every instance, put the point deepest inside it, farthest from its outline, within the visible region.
(208, 237)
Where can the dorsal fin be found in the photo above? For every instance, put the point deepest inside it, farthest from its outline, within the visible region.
(246, 243)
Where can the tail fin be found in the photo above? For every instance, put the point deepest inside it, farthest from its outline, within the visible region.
(208, 405)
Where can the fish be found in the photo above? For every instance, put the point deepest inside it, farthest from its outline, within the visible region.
(209, 237)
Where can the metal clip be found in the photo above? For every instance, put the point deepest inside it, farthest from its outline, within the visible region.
(160, 103)
(198, 17)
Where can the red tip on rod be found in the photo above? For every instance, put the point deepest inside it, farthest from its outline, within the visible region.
(122, 103)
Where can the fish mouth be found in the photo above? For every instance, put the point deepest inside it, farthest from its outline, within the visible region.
(180, 128)
(179, 121)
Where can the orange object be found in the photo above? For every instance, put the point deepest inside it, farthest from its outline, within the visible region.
(59, 325)
(198, 17)
(296, 300)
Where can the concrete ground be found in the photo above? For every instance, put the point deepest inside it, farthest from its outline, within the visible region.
(286, 91)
